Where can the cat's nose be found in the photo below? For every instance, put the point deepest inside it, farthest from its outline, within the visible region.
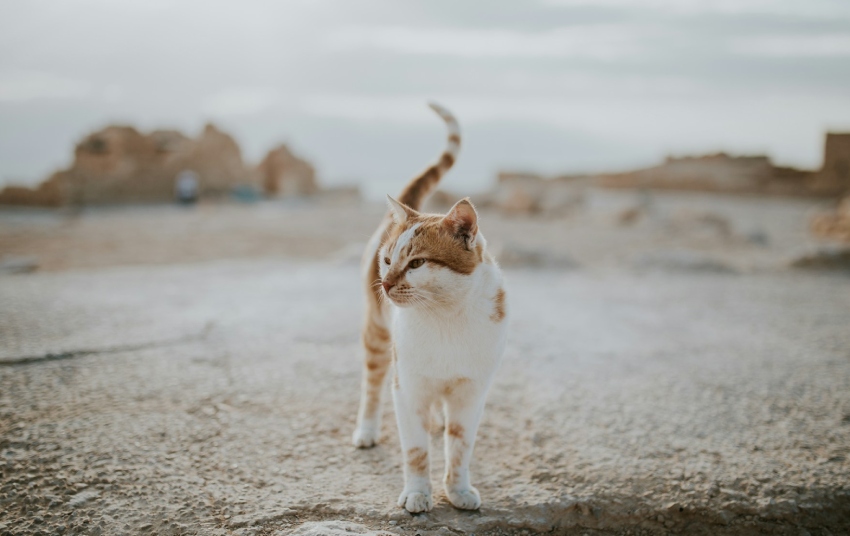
(388, 285)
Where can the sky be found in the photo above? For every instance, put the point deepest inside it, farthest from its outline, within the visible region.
(552, 86)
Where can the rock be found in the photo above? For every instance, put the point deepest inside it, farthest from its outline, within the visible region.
(757, 237)
(701, 222)
(47, 194)
(284, 174)
(725, 516)
(629, 216)
(714, 172)
(681, 261)
(834, 225)
(514, 255)
(83, 497)
(18, 265)
(333, 528)
(528, 193)
(829, 258)
(248, 520)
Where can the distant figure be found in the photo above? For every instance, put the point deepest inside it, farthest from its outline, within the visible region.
(186, 187)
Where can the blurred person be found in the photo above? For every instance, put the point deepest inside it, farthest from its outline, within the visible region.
(186, 187)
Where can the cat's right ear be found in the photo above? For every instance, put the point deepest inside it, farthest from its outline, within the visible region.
(401, 213)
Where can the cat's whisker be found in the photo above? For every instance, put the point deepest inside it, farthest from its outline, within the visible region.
(426, 304)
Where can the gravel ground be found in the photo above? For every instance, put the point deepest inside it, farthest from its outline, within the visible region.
(219, 398)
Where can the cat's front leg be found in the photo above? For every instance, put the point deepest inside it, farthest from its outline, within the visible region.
(376, 339)
(462, 422)
(416, 496)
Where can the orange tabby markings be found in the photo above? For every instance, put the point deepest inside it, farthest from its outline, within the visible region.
(417, 460)
(454, 385)
(455, 430)
(498, 306)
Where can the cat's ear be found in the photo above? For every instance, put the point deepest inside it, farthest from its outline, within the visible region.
(462, 221)
(401, 212)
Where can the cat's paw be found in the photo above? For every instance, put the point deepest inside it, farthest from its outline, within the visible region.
(415, 501)
(365, 437)
(465, 499)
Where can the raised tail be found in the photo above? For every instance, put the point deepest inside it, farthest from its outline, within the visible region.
(419, 188)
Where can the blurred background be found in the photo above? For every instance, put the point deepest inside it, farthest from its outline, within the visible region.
(562, 103)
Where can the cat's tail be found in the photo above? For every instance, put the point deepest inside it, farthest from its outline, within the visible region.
(419, 188)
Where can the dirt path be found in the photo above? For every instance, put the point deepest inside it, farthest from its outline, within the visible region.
(219, 398)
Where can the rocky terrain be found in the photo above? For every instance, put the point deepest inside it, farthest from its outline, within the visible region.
(196, 371)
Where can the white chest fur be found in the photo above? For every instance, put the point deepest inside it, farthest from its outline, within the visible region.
(465, 340)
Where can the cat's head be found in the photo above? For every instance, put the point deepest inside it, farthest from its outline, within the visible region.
(427, 259)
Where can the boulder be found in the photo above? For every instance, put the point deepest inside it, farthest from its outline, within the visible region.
(528, 193)
(284, 174)
(834, 225)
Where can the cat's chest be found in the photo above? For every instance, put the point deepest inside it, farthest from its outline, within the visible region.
(462, 344)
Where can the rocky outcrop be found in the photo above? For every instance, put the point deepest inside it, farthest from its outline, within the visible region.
(50, 193)
(744, 174)
(716, 172)
(284, 174)
(834, 175)
(834, 225)
(121, 165)
(528, 193)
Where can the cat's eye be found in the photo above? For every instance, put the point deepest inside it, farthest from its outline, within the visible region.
(386, 260)
(416, 263)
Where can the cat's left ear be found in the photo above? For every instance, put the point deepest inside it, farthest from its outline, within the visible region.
(462, 221)
(401, 212)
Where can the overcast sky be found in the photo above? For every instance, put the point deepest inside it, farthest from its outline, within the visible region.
(551, 86)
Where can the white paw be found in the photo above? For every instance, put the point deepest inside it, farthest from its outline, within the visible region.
(415, 501)
(365, 437)
(465, 499)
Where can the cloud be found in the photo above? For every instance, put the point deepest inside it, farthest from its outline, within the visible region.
(794, 46)
(598, 41)
(34, 85)
(808, 8)
(239, 101)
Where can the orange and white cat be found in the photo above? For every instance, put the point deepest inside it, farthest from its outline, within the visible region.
(436, 309)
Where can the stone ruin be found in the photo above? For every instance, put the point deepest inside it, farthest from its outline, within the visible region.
(284, 174)
(744, 174)
(121, 165)
(714, 173)
(834, 175)
(529, 193)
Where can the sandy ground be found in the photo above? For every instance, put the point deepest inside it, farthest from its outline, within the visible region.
(198, 376)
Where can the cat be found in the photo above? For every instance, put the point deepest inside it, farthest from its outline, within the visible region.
(436, 310)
